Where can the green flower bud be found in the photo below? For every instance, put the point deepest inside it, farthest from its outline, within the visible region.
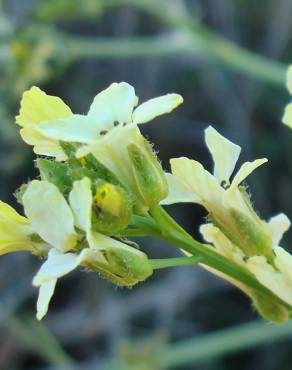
(270, 309)
(129, 263)
(112, 208)
(250, 235)
(148, 173)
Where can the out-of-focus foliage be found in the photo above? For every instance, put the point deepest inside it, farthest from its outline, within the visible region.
(76, 48)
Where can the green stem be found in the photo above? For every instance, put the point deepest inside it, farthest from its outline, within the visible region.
(208, 42)
(208, 256)
(173, 262)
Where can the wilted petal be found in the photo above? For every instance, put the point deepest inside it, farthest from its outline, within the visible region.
(275, 281)
(76, 128)
(49, 214)
(201, 182)
(287, 118)
(80, 199)
(114, 104)
(178, 192)
(224, 153)
(156, 107)
(37, 106)
(279, 225)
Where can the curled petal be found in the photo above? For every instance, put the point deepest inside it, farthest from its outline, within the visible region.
(178, 192)
(156, 107)
(37, 106)
(279, 225)
(245, 170)
(49, 214)
(114, 104)
(224, 153)
(80, 199)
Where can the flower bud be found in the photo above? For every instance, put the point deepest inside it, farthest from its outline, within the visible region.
(129, 263)
(112, 208)
(148, 173)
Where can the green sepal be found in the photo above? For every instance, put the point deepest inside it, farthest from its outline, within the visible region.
(252, 236)
(148, 173)
(57, 173)
(129, 262)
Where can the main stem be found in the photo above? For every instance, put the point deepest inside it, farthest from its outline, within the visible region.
(174, 234)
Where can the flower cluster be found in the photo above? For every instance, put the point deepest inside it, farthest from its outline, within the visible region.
(99, 171)
(234, 229)
(100, 181)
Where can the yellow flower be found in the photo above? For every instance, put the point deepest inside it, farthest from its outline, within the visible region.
(54, 220)
(15, 231)
(276, 276)
(227, 202)
(287, 118)
(109, 131)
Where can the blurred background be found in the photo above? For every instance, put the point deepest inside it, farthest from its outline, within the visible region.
(228, 60)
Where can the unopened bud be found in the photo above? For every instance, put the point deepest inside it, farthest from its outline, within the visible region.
(129, 263)
(112, 208)
(149, 176)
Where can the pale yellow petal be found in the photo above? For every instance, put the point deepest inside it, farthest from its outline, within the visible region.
(76, 128)
(178, 192)
(46, 292)
(42, 144)
(156, 107)
(287, 118)
(37, 106)
(224, 153)
(275, 281)
(114, 104)
(279, 224)
(14, 231)
(283, 261)
(80, 199)
(49, 214)
(222, 244)
(202, 183)
(245, 170)
(60, 264)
